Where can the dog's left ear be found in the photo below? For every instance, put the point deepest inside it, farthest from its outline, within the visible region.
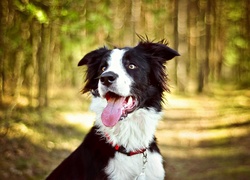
(159, 50)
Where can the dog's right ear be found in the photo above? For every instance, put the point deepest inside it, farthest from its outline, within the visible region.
(92, 60)
(92, 56)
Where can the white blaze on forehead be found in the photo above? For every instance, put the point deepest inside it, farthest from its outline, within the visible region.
(122, 85)
(115, 61)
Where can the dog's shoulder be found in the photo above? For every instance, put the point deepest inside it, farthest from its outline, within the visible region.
(88, 161)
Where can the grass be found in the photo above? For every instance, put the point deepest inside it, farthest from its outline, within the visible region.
(200, 137)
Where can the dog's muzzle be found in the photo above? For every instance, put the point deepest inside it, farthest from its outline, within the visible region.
(118, 106)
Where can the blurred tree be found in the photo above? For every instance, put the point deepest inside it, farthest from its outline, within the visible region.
(42, 40)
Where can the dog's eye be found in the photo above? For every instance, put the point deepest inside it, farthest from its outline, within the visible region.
(132, 66)
(103, 68)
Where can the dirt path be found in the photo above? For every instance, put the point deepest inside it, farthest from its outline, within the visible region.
(200, 137)
(206, 138)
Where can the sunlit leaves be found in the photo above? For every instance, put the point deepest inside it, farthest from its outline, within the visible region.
(33, 10)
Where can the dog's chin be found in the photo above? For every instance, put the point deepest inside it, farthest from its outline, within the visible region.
(118, 107)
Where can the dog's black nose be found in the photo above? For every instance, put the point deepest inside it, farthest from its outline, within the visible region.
(108, 78)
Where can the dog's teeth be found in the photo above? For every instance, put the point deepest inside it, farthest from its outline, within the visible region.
(130, 100)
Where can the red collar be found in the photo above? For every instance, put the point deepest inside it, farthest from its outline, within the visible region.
(123, 150)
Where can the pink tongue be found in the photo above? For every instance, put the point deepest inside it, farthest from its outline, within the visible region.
(113, 111)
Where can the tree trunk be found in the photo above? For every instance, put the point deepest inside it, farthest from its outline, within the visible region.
(201, 53)
(192, 14)
(135, 18)
(19, 57)
(182, 46)
(176, 37)
(219, 40)
(4, 12)
(43, 66)
(208, 22)
(32, 69)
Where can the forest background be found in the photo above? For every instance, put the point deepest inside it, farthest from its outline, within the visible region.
(41, 42)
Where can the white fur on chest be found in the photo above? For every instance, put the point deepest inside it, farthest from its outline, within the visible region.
(123, 167)
(134, 133)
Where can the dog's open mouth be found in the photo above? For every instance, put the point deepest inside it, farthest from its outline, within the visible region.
(117, 108)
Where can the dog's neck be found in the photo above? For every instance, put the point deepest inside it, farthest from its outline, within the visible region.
(134, 132)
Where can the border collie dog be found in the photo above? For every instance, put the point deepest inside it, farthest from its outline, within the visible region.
(127, 85)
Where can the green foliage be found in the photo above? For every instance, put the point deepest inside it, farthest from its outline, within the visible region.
(213, 43)
(33, 11)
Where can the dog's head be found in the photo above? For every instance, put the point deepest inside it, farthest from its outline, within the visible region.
(128, 78)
